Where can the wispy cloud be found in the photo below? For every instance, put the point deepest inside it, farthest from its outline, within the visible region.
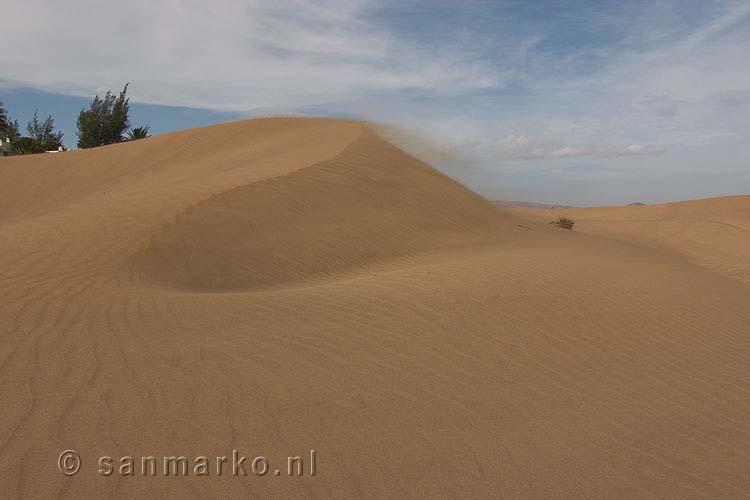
(520, 147)
(227, 54)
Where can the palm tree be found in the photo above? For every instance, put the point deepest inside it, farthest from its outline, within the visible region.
(136, 133)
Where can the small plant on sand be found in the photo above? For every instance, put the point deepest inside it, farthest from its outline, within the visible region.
(136, 133)
(564, 222)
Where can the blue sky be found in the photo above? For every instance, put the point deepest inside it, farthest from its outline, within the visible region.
(559, 101)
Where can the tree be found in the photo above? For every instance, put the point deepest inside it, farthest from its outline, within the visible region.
(42, 136)
(136, 133)
(28, 146)
(4, 120)
(44, 133)
(8, 128)
(105, 121)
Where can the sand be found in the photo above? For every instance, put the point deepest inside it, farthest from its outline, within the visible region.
(711, 232)
(281, 285)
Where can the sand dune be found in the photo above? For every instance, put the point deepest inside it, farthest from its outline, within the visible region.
(281, 285)
(713, 232)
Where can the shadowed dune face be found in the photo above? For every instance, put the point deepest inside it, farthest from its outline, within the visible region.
(425, 343)
(369, 204)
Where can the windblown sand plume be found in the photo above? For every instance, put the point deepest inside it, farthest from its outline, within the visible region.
(284, 285)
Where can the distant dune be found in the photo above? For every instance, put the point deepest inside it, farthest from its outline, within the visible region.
(281, 285)
(528, 204)
(713, 232)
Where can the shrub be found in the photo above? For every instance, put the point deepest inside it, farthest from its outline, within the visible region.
(564, 222)
(136, 133)
(28, 146)
(43, 134)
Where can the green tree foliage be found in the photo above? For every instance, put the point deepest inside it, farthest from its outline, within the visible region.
(28, 146)
(4, 120)
(105, 121)
(8, 127)
(43, 133)
(136, 133)
(42, 136)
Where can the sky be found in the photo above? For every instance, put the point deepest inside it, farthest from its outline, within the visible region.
(572, 102)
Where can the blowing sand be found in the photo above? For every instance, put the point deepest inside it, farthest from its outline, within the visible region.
(276, 286)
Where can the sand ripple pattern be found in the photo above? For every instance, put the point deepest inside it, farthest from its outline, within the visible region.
(285, 284)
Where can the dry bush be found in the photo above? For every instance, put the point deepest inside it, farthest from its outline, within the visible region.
(564, 222)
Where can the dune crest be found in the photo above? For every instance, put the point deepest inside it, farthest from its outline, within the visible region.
(368, 204)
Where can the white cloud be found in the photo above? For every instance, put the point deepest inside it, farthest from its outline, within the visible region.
(521, 147)
(225, 54)
(666, 79)
(513, 145)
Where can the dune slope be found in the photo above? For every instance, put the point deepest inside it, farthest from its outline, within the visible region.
(712, 232)
(276, 286)
(370, 203)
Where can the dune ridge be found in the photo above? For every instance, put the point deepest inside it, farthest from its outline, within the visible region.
(281, 285)
(326, 218)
